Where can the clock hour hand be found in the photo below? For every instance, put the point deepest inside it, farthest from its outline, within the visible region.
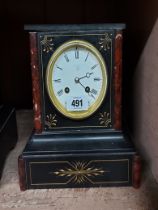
(77, 79)
(86, 76)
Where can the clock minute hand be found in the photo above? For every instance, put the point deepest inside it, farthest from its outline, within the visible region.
(77, 80)
(87, 89)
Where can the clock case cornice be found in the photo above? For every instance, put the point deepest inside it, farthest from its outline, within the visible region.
(74, 27)
(52, 117)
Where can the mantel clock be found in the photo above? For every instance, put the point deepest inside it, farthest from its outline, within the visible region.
(78, 139)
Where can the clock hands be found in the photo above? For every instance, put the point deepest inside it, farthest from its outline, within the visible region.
(87, 89)
(78, 81)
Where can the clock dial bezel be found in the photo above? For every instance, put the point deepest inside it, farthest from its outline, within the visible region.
(76, 115)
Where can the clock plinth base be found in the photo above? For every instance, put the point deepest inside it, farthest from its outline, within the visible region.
(93, 159)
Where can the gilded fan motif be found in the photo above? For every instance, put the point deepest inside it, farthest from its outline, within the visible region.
(105, 119)
(105, 42)
(51, 120)
(79, 172)
(47, 44)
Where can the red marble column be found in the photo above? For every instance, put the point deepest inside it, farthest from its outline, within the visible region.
(35, 83)
(118, 81)
(136, 171)
(22, 173)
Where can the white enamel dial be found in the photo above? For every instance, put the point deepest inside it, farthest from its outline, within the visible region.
(76, 79)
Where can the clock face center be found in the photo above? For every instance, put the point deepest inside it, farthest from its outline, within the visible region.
(76, 80)
(76, 74)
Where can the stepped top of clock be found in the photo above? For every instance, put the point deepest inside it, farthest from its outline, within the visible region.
(74, 27)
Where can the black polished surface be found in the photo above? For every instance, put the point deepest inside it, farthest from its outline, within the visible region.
(79, 159)
(74, 27)
(78, 142)
(95, 34)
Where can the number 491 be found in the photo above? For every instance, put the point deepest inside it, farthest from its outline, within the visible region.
(77, 103)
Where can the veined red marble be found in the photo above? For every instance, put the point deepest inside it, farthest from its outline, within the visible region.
(35, 83)
(118, 81)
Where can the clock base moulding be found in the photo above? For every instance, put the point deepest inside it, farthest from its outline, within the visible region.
(92, 160)
(90, 152)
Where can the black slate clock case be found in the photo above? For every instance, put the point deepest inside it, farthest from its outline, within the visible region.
(93, 152)
(58, 38)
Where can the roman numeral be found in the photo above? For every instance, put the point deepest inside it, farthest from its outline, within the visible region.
(57, 80)
(96, 79)
(66, 58)
(77, 53)
(86, 56)
(93, 91)
(93, 67)
(59, 67)
(60, 92)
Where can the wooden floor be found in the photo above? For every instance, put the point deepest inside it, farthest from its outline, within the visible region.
(122, 198)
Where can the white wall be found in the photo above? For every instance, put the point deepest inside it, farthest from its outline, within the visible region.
(146, 102)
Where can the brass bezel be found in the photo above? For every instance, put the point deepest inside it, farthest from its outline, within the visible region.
(76, 115)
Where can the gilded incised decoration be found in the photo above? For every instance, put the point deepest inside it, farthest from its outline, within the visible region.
(51, 120)
(47, 44)
(79, 172)
(105, 42)
(105, 119)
